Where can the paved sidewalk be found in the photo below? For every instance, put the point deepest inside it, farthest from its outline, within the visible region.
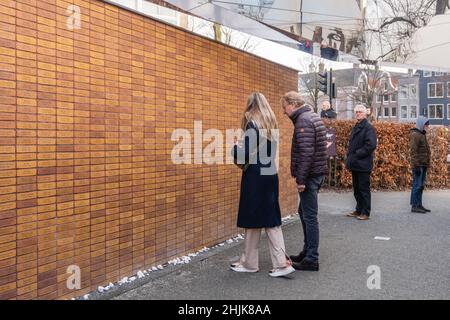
(414, 263)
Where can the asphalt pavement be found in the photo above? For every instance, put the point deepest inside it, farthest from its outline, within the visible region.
(414, 263)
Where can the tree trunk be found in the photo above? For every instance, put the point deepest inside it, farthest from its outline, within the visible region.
(217, 32)
(441, 6)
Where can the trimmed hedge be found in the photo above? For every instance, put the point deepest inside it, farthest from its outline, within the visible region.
(392, 169)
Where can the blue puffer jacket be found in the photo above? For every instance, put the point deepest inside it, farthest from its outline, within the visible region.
(309, 145)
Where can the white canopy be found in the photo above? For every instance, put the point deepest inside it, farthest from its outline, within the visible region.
(228, 18)
(332, 23)
(431, 45)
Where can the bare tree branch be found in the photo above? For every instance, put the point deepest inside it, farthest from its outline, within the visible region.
(397, 19)
(396, 31)
(309, 82)
(441, 6)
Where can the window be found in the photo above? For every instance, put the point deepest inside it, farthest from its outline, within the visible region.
(378, 98)
(448, 89)
(438, 74)
(413, 112)
(403, 92)
(386, 112)
(394, 112)
(448, 111)
(412, 91)
(439, 89)
(385, 86)
(435, 90)
(426, 74)
(404, 112)
(385, 98)
(394, 97)
(435, 111)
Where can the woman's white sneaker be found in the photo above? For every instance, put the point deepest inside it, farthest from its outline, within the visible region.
(241, 268)
(281, 272)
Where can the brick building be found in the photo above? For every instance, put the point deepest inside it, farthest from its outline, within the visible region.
(86, 116)
(434, 92)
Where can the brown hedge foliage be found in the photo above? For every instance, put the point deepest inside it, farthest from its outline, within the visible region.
(392, 169)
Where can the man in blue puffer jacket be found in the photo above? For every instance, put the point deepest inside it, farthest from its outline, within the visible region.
(308, 167)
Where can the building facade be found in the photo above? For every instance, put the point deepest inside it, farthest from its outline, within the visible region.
(400, 97)
(351, 89)
(346, 88)
(408, 98)
(434, 93)
(386, 101)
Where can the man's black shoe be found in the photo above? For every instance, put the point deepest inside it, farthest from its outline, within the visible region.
(423, 208)
(298, 258)
(418, 210)
(306, 265)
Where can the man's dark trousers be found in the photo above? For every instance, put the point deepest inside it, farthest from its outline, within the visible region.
(307, 210)
(419, 178)
(361, 191)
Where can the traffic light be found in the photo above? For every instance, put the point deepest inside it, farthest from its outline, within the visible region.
(323, 82)
(326, 84)
(331, 86)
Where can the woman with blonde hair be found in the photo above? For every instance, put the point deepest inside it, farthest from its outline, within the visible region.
(258, 205)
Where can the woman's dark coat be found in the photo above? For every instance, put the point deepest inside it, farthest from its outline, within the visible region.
(258, 203)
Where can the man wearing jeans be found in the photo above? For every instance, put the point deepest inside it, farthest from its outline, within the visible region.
(420, 161)
(308, 167)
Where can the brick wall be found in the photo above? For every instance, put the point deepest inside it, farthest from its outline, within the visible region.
(86, 117)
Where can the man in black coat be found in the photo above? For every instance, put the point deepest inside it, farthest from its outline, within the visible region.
(308, 167)
(363, 142)
(327, 111)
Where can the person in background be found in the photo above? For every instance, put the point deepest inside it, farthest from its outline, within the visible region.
(420, 161)
(308, 167)
(362, 144)
(258, 204)
(327, 111)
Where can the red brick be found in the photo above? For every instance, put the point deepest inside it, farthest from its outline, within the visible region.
(85, 117)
